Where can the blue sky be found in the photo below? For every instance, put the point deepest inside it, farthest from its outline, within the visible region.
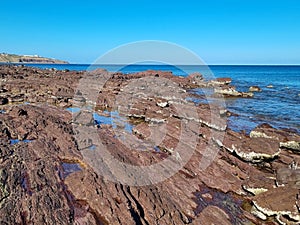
(220, 32)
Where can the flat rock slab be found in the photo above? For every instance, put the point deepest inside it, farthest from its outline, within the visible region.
(213, 215)
(251, 150)
(286, 138)
(278, 201)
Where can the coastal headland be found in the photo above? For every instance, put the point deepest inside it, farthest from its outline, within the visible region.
(13, 58)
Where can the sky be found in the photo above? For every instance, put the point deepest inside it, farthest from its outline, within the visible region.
(218, 31)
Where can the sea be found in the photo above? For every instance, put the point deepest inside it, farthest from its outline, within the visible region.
(278, 106)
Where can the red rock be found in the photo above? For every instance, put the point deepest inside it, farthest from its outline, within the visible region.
(251, 150)
(213, 215)
(288, 176)
(36, 185)
(286, 139)
(278, 201)
(142, 130)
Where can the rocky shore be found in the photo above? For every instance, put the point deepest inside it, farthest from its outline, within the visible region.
(63, 132)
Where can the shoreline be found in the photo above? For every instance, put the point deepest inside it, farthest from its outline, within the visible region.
(215, 171)
(276, 122)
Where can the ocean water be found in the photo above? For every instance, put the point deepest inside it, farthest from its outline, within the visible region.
(279, 106)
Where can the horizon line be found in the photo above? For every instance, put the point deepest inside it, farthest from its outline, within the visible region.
(146, 64)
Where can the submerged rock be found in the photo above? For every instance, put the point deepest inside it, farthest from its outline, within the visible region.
(255, 89)
(231, 92)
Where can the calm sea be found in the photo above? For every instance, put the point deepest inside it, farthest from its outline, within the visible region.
(278, 106)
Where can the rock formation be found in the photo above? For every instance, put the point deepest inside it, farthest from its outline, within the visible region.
(254, 89)
(61, 165)
(230, 91)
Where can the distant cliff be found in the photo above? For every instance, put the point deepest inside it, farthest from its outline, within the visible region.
(12, 58)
